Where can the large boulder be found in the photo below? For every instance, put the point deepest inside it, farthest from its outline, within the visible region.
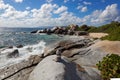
(50, 69)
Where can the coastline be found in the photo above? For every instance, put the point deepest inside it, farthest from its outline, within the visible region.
(84, 51)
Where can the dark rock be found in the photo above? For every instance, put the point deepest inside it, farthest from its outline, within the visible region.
(45, 30)
(54, 29)
(58, 31)
(34, 31)
(81, 33)
(10, 47)
(19, 46)
(13, 54)
(71, 32)
(49, 31)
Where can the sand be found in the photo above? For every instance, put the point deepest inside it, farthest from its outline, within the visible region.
(97, 35)
(109, 46)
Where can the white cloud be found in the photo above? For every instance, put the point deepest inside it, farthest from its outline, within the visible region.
(49, 1)
(65, 1)
(109, 14)
(2, 5)
(84, 9)
(44, 16)
(18, 1)
(87, 3)
(28, 8)
(61, 9)
(79, 7)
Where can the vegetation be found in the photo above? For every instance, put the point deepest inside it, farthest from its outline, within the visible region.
(113, 29)
(110, 67)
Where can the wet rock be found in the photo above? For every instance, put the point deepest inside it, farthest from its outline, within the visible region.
(13, 54)
(10, 47)
(19, 46)
(34, 31)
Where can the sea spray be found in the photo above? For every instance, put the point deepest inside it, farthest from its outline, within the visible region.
(24, 53)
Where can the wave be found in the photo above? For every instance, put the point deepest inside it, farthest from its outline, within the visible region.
(24, 53)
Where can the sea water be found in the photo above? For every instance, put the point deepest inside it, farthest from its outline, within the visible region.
(33, 44)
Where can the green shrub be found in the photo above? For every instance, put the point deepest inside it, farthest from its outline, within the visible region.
(110, 67)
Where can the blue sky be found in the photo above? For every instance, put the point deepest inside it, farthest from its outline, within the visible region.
(35, 13)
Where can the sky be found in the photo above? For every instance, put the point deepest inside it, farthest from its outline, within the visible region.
(39, 13)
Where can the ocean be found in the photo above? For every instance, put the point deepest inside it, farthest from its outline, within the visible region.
(22, 36)
(33, 44)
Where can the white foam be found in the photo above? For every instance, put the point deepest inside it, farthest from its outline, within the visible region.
(24, 53)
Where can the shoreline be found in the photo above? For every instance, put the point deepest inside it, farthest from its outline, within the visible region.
(81, 50)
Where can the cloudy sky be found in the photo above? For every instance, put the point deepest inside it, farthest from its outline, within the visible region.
(35, 13)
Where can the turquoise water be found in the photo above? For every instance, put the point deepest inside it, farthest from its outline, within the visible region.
(21, 36)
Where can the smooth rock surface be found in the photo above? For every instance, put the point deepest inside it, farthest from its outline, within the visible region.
(49, 69)
(15, 71)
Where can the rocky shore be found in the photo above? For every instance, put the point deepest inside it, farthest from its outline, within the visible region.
(72, 59)
(62, 31)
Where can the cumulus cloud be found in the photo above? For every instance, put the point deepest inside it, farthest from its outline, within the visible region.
(44, 16)
(87, 3)
(61, 9)
(109, 14)
(84, 9)
(18, 1)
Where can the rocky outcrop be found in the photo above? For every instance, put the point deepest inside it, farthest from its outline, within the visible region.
(50, 69)
(84, 54)
(62, 31)
(69, 45)
(66, 60)
(20, 70)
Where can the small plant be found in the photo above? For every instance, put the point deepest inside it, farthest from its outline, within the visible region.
(110, 67)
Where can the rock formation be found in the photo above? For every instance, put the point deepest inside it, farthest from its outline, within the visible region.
(48, 69)
(67, 60)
